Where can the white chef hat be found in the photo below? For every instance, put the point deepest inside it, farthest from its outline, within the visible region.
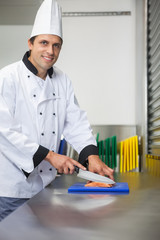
(48, 19)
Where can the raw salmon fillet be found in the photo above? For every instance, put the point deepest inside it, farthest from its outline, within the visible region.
(98, 184)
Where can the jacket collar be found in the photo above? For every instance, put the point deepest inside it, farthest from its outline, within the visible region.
(31, 67)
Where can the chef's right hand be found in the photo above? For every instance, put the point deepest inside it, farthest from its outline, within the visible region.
(62, 163)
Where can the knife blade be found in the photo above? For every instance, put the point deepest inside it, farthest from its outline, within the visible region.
(87, 175)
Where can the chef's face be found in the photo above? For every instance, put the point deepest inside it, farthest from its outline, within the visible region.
(44, 52)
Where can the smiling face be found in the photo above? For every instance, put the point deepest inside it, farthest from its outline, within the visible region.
(44, 52)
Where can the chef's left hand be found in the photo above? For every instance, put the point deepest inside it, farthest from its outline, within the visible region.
(97, 166)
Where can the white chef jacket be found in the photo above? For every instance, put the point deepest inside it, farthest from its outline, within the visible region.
(33, 115)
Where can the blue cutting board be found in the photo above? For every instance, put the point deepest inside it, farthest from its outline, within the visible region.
(119, 187)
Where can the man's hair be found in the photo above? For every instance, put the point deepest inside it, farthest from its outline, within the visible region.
(32, 39)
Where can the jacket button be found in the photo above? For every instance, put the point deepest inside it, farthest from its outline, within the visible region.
(42, 134)
(50, 169)
(40, 113)
(54, 114)
(41, 171)
(34, 95)
(28, 76)
(53, 94)
(53, 132)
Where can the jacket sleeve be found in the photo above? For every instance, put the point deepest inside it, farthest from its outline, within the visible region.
(14, 145)
(77, 130)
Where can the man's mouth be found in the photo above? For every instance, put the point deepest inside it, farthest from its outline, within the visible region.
(49, 59)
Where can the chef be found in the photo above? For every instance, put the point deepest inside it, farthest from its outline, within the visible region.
(37, 106)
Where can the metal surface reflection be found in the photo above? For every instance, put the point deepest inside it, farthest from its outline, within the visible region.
(55, 214)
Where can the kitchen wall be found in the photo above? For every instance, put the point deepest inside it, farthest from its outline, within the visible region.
(99, 54)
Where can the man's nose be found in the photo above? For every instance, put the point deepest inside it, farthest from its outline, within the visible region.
(50, 50)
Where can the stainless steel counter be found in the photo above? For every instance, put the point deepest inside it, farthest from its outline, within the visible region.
(55, 214)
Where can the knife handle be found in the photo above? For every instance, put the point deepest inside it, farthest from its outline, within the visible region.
(76, 169)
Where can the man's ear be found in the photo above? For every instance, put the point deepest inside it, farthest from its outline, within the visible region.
(29, 44)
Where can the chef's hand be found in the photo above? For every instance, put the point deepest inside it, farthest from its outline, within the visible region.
(97, 166)
(62, 163)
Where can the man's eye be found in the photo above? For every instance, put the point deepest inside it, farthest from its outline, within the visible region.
(43, 42)
(57, 45)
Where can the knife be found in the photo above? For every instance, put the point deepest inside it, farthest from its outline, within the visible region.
(87, 175)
